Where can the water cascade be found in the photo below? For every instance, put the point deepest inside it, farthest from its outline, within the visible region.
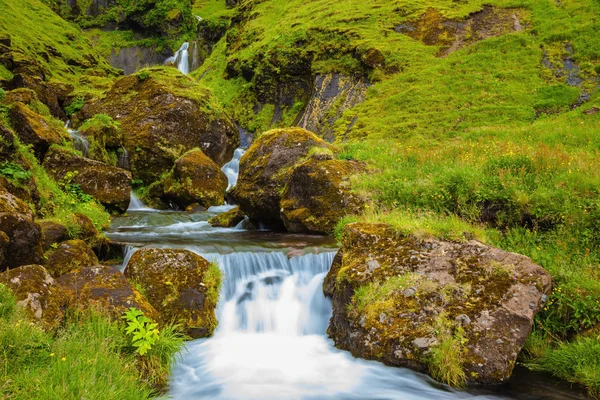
(135, 204)
(232, 168)
(181, 59)
(123, 159)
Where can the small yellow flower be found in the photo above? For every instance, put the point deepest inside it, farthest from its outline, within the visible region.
(64, 359)
(51, 354)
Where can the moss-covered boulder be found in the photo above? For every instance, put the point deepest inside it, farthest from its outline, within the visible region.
(195, 178)
(33, 129)
(85, 228)
(228, 219)
(318, 194)
(104, 288)
(52, 233)
(181, 285)
(110, 185)
(105, 140)
(16, 221)
(265, 169)
(163, 115)
(4, 241)
(69, 256)
(459, 311)
(36, 292)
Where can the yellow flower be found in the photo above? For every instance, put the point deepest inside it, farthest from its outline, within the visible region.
(64, 358)
(51, 354)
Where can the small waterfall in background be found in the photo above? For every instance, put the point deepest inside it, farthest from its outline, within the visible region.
(127, 253)
(181, 59)
(135, 204)
(232, 168)
(195, 63)
(123, 160)
(80, 142)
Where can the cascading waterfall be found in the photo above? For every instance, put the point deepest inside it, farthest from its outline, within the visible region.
(232, 168)
(195, 63)
(123, 159)
(181, 59)
(135, 204)
(80, 142)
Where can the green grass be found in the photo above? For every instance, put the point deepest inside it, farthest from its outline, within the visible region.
(89, 357)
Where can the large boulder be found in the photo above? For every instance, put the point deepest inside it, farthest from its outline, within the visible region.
(16, 221)
(105, 141)
(4, 241)
(111, 186)
(265, 169)
(228, 219)
(36, 292)
(195, 178)
(69, 256)
(52, 233)
(459, 311)
(33, 129)
(181, 285)
(318, 194)
(163, 115)
(104, 288)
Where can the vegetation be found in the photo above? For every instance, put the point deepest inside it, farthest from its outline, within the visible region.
(88, 357)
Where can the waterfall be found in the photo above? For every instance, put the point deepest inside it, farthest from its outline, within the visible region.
(123, 160)
(181, 59)
(135, 204)
(232, 168)
(80, 142)
(127, 253)
(195, 63)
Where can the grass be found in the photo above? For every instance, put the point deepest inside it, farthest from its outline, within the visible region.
(89, 357)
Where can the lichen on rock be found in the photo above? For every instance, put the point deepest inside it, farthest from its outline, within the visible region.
(69, 256)
(408, 302)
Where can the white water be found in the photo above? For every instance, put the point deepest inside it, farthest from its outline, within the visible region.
(80, 142)
(232, 168)
(181, 59)
(123, 160)
(135, 204)
(271, 341)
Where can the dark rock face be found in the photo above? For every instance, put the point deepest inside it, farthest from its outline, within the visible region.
(131, 59)
(33, 129)
(35, 290)
(398, 299)
(16, 221)
(111, 186)
(52, 233)
(104, 288)
(69, 256)
(332, 95)
(265, 169)
(180, 284)
(164, 116)
(195, 178)
(434, 29)
(317, 195)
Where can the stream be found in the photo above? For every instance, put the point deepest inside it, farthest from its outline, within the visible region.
(271, 342)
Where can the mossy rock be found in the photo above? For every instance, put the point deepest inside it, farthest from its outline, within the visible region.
(401, 300)
(163, 115)
(16, 221)
(181, 285)
(86, 229)
(266, 167)
(105, 140)
(195, 178)
(4, 240)
(69, 256)
(110, 185)
(318, 194)
(33, 129)
(228, 219)
(52, 233)
(103, 288)
(36, 292)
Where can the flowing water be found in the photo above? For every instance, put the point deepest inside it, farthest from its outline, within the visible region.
(181, 59)
(232, 168)
(271, 341)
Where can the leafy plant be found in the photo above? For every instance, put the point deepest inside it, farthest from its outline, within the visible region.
(2, 94)
(14, 171)
(144, 333)
(75, 106)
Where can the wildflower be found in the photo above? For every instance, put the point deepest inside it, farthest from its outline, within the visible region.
(64, 359)
(51, 354)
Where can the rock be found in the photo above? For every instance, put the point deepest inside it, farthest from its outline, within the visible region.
(485, 297)
(180, 284)
(4, 240)
(228, 219)
(105, 140)
(163, 115)
(52, 94)
(111, 186)
(16, 221)
(104, 288)
(266, 167)
(318, 194)
(35, 291)
(69, 256)
(87, 230)
(195, 178)
(32, 128)
(52, 233)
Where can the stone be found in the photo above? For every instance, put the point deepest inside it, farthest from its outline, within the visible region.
(52, 233)
(33, 129)
(103, 288)
(69, 256)
(228, 219)
(433, 291)
(16, 221)
(111, 186)
(35, 291)
(265, 169)
(181, 285)
(195, 178)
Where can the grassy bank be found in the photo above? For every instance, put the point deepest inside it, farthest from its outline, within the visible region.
(89, 357)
